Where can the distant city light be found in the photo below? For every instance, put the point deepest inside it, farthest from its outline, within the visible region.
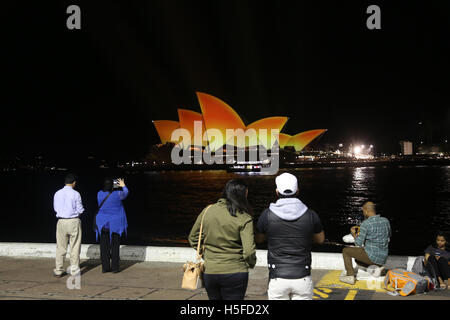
(361, 152)
(341, 145)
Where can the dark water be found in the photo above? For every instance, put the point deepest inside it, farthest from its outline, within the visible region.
(162, 206)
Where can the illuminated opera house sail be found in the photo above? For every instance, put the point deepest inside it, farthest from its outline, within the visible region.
(218, 117)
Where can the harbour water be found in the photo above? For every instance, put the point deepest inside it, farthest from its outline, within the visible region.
(162, 206)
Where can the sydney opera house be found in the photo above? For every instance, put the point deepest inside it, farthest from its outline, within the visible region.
(218, 115)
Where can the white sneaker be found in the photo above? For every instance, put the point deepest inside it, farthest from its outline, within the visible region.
(375, 271)
(347, 279)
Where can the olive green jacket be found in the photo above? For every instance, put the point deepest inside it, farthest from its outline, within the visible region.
(228, 241)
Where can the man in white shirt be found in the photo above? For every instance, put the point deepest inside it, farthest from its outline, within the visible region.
(68, 207)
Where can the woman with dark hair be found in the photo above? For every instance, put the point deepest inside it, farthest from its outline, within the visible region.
(111, 222)
(228, 243)
(438, 257)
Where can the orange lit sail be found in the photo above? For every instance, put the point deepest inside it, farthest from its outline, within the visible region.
(302, 139)
(165, 129)
(187, 119)
(223, 126)
(265, 127)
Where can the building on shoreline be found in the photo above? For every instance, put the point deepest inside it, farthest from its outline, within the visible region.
(406, 148)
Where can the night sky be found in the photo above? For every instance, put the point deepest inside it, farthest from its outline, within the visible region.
(94, 91)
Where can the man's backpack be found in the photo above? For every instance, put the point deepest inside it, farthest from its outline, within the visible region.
(427, 270)
(418, 266)
(406, 283)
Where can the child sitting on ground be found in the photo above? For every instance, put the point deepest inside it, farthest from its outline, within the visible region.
(439, 257)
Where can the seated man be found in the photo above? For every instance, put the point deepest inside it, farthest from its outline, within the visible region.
(372, 243)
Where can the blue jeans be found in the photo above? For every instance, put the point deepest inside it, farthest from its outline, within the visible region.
(229, 286)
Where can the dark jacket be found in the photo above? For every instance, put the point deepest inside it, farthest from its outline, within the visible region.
(289, 226)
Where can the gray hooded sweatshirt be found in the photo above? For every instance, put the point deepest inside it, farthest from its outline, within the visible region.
(288, 209)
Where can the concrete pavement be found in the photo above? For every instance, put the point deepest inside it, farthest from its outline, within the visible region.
(32, 278)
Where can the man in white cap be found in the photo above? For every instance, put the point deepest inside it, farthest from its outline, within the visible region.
(290, 228)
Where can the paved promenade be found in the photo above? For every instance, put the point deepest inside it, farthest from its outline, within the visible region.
(32, 278)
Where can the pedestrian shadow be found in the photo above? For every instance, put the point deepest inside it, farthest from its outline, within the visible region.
(126, 264)
(88, 265)
(129, 256)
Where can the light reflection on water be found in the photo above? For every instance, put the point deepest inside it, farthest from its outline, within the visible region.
(443, 205)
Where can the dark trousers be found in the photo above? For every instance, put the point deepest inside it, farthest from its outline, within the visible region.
(440, 266)
(230, 286)
(109, 251)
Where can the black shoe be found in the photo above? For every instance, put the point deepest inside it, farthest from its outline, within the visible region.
(59, 275)
(105, 271)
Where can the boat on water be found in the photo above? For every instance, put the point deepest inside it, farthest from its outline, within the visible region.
(248, 166)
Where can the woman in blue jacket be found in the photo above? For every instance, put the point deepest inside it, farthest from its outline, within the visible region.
(111, 223)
